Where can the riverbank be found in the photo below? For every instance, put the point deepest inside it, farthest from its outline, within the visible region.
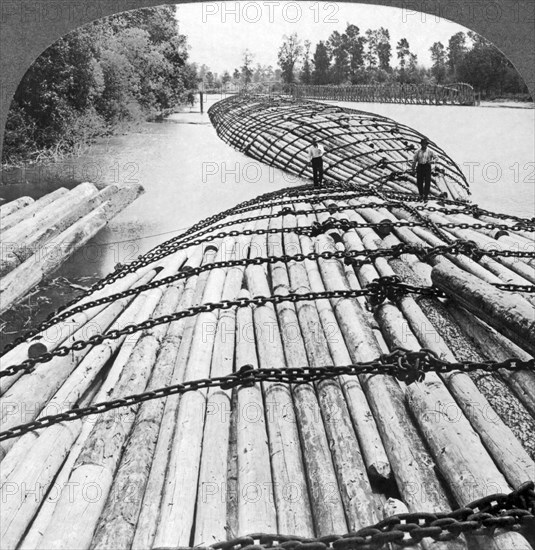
(508, 104)
(188, 174)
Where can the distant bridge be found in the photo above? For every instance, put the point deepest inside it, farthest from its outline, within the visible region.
(458, 93)
(417, 94)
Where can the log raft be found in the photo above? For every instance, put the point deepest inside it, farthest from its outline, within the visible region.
(38, 236)
(304, 459)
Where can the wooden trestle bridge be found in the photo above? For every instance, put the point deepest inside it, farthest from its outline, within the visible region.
(458, 93)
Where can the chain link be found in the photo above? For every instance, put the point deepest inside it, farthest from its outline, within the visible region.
(405, 365)
(301, 194)
(291, 195)
(468, 248)
(378, 290)
(480, 517)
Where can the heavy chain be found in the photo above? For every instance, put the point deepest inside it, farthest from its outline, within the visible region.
(356, 258)
(480, 517)
(405, 365)
(377, 291)
(300, 194)
(344, 224)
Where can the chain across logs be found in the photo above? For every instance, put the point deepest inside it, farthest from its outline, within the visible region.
(468, 248)
(479, 517)
(407, 366)
(302, 193)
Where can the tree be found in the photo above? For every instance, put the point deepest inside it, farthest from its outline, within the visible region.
(225, 79)
(370, 51)
(124, 67)
(384, 50)
(456, 51)
(288, 55)
(306, 71)
(378, 50)
(403, 53)
(406, 61)
(438, 56)
(488, 70)
(320, 74)
(246, 69)
(355, 51)
(337, 48)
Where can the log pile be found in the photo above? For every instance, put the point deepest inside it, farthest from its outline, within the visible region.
(360, 148)
(308, 459)
(38, 236)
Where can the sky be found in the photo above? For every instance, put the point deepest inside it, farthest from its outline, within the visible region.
(219, 32)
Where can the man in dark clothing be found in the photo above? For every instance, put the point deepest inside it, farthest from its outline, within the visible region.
(315, 155)
(422, 162)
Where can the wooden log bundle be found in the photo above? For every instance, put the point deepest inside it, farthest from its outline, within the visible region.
(308, 459)
(360, 148)
(38, 236)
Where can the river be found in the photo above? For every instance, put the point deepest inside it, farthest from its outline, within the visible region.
(188, 173)
(494, 146)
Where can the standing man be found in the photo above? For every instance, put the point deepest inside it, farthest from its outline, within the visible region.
(422, 162)
(315, 155)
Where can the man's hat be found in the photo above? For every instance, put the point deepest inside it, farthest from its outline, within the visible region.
(424, 140)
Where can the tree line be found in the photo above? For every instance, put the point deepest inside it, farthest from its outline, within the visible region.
(355, 58)
(116, 70)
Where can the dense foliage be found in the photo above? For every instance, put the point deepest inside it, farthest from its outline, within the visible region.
(119, 69)
(353, 57)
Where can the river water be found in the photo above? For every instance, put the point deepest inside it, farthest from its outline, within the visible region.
(494, 146)
(188, 174)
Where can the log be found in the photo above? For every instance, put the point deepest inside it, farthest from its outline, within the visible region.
(180, 335)
(32, 209)
(39, 266)
(496, 347)
(55, 335)
(255, 515)
(18, 235)
(116, 524)
(212, 497)
(509, 314)
(13, 206)
(42, 232)
(180, 488)
(302, 349)
(411, 463)
(73, 390)
(373, 451)
(98, 459)
(301, 331)
(54, 443)
(514, 462)
(38, 527)
(514, 264)
(32, 392)
(288, 459)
